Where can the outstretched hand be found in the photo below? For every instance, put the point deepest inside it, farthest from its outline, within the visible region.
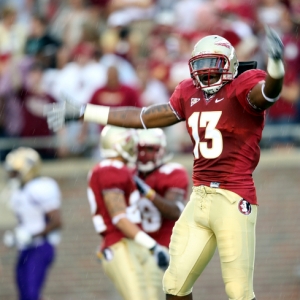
(19, 237)
(275, 46)
(58, 114)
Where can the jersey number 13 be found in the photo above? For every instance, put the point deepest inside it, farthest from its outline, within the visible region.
(209, 121)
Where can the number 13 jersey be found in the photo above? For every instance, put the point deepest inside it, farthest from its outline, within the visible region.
(225, 130)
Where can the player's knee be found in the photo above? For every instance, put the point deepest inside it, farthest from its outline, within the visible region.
(171, 286)
(169, 283)
(237, 291)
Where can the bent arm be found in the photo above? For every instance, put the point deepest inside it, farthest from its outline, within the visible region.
(264, 95)
(171, 205)
(54, 222)
(116, 206)
(158, 115)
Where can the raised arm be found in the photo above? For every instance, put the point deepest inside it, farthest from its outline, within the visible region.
(265, 94)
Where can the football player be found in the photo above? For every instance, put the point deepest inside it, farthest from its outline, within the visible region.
(128, 255)
(224, 110)
(36, 202)
(162, 184)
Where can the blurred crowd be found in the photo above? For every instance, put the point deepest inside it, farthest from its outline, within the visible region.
(126, 52)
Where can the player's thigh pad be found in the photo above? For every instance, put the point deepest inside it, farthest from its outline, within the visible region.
(133, 271)
(191, 248)
(233, 221)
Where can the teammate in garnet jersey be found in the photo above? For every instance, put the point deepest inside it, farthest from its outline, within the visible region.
(224, 113)
(163, 185)
(113, 199)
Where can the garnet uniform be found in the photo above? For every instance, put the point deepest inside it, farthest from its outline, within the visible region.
(110, 175)
(130, 266)
(168, 176)
(225, 130)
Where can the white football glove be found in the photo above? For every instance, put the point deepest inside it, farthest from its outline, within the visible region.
(19, 237)
(58, 114)
(161, 255)
(275, 46)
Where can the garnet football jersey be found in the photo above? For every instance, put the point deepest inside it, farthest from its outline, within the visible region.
(225, 130)
(168, 176)
(111, 175)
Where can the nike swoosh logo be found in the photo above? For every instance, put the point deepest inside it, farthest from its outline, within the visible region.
(219, 100)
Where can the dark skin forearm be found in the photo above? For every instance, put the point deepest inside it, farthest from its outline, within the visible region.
(54, 222)
(272, 89)
(159, 115)
(167, 205)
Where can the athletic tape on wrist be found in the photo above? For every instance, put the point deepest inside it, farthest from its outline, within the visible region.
(267, 98)
(96, 113)
(275, 68)
(144, 240)
(117, 218)
(150, 194)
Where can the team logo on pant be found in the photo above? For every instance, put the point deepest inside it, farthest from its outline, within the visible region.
(244, 207)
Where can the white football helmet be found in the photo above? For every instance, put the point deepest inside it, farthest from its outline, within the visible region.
(23, 163)
(118, 141)
(213, 55)
(151, 149)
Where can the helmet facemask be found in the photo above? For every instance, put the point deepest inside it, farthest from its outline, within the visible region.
(151, 149)
(150, 157)
(213, 64)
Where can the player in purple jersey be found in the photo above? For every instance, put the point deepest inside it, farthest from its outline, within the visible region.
(35, 200)
(224, 111)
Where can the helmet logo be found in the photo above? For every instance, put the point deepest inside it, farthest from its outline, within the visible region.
(224, 44)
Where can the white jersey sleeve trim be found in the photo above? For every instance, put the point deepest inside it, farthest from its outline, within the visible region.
(175, 112)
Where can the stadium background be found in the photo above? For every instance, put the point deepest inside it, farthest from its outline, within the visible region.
(77, 275)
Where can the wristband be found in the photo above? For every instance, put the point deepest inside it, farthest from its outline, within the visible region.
(275, 68)
(144, 240)
(118, 217)
(267, 98)
(141, 117)
(150, 194)
(96, 113)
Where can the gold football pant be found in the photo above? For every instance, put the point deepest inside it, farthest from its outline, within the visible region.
(213, 218)
(133, 271)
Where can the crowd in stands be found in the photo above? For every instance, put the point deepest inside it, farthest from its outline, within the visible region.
(120, 52)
